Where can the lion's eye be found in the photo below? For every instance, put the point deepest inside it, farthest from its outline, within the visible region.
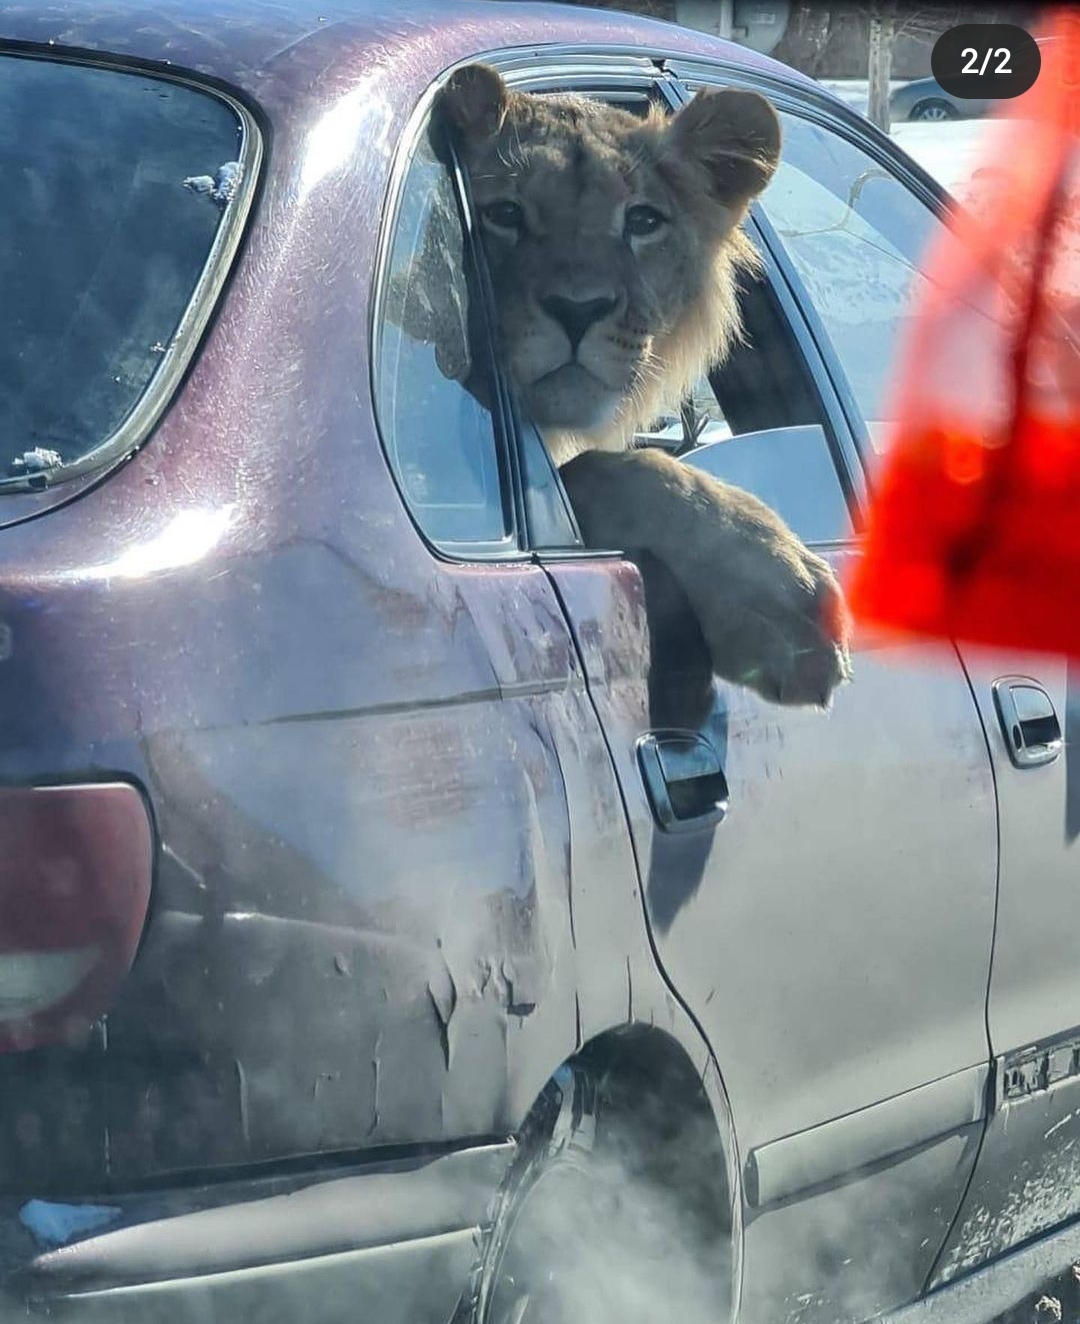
(504, 215)
(641, 220)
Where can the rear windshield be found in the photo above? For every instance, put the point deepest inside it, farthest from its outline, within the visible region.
(115, 189)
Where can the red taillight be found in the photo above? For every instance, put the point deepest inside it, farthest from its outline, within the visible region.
(75, 869)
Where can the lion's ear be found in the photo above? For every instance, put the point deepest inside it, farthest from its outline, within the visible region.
(732, 135)
(475, 101)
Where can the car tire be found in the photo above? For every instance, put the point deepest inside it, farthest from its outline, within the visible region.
(593, 1221)
(933, 109)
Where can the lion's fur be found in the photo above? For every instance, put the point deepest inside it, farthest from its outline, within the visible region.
(574, 166)
(559, 184)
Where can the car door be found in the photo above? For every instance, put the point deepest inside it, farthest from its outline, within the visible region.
(819, 887)
(856, 272)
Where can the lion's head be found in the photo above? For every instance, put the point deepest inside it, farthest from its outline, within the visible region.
(613, 242)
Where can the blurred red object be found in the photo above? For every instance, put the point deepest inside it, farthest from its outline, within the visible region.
(973, 531)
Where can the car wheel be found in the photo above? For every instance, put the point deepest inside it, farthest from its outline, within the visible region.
(597, 1221)
(933, 109)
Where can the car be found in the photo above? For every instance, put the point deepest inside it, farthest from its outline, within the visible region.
(926, 99)
(397, 919)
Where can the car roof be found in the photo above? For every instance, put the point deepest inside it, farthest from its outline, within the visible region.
(251, 43)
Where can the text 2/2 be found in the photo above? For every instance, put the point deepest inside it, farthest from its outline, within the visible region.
(1002, 54)
(986, 61)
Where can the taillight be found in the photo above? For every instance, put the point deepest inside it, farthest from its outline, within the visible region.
(75, 870)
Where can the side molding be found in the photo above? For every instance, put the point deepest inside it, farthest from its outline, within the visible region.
(839, 1149)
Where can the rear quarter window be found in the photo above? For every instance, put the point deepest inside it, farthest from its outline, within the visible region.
(122, 194)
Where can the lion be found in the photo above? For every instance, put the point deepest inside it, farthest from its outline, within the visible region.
(614, 248)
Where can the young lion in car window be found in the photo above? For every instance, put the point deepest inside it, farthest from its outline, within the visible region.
(614, 247)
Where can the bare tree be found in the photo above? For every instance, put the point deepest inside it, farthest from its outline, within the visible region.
(882, 36)
(890, 19)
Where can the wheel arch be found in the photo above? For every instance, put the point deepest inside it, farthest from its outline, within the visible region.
(663, 1080)
(651, 1102)
(648, 1072)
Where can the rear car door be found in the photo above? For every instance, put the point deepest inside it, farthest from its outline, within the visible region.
(819, 887)
(852, 224)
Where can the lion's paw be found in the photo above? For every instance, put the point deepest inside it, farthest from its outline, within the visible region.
(789, 640)
(771, 611)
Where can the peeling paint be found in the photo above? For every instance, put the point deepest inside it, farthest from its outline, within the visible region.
(443, 1001)
(519, 989)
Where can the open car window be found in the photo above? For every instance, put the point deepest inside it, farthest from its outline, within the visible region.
(757, 422)
(761, 402)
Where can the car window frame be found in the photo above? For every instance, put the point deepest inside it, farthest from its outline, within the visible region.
(509, 547)
(603, 72)
(135, 429)
(611, 72)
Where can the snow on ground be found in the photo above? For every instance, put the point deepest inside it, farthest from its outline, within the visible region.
(856, 91)
(951, 151)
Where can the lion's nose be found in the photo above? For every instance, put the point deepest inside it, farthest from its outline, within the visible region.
(575, 316)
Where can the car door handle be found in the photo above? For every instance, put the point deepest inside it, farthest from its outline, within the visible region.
(684, 780)
(1028, 720)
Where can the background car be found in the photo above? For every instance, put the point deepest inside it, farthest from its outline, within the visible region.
(397, 921)
(926, 99)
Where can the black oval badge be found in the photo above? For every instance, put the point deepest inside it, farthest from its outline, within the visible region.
(989, 61)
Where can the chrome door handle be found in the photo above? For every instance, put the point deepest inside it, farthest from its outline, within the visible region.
(1028, 720)
(684, 780)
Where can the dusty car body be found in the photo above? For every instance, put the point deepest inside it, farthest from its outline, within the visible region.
(335, 826)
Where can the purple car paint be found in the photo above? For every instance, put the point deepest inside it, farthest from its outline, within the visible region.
(404, 872)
